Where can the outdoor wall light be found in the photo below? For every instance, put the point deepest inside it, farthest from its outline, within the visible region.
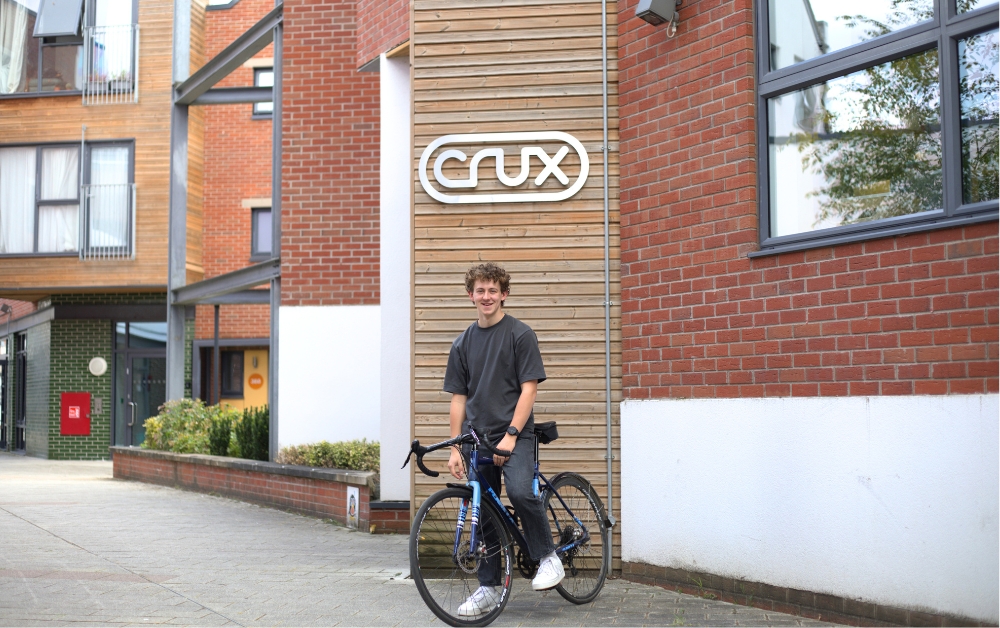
(658, 12)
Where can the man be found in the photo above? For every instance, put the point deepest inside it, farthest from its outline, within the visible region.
(493, 373)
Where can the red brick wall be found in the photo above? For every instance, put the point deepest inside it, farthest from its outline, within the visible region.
(21, 308)
(904, 315)
(382, 25)
(318, 498)
(237, 167)
(389, 521)
(330, 221)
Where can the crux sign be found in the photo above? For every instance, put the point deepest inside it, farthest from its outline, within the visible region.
(493, 150)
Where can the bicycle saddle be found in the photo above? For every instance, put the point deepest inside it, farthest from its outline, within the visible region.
(546, 432)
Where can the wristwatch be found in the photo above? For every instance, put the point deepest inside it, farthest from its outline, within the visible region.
(513, 431)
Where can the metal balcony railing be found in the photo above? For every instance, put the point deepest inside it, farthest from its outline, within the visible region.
(107, 222)
(111, 64)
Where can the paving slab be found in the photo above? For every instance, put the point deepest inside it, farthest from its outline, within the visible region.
(83, 549)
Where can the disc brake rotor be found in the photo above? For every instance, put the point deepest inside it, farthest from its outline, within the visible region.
(469, 563)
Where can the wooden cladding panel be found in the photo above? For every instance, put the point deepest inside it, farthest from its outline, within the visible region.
(147, 123)
(492, 66)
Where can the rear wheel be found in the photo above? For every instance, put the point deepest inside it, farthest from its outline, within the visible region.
(577, 522)
(445, 579)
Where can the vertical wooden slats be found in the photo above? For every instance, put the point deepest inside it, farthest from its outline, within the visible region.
(489, 66)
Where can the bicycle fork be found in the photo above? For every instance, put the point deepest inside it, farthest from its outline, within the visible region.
(473, 520)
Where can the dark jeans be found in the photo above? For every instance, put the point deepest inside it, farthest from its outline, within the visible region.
(518, 473)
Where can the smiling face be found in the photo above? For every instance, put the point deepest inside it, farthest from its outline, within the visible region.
(488, 299)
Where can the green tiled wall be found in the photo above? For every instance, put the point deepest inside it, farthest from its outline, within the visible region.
(75, 343)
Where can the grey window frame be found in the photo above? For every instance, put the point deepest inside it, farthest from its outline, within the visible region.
(39, 147)
(60, 7)
(87, 165)
(261, 115)
(255, 254)
(943, 33)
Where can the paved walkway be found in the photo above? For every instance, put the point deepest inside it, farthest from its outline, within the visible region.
(80, 548)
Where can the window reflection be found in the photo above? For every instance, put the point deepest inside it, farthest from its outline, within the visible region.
(804, 29)
(862, 147)
(980, 103)
(968, 5)
(147, 335)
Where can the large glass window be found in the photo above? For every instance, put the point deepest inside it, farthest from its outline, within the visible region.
(40, 196)
(903, 137)
(36, 64)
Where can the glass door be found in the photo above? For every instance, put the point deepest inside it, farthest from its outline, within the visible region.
(146, 380)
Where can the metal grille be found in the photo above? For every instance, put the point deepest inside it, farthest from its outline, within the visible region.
(107, 222)
(111, 56)
(21, 394)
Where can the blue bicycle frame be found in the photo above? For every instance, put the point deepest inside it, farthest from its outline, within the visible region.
(473, 482)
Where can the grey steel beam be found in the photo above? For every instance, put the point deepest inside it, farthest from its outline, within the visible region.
(27, 322)
(181, 41)
(243, 297)
(234, 96)
(177, 249)
(120, 313)
(236, 281)
(255, 39)
(272, 353)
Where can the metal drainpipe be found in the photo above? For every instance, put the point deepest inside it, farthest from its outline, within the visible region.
(609, 455)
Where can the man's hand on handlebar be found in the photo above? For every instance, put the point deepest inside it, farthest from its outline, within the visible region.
(507, 444)
(455, 464)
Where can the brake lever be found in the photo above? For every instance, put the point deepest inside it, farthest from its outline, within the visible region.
(485, 442)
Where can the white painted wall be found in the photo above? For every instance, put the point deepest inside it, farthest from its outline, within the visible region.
(329, 378)
(893, 500)
(395, 274)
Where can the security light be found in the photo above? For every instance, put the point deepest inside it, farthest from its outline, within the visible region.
(6, 309)
(658, 12)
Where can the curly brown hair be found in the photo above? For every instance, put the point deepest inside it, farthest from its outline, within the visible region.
(487, 272)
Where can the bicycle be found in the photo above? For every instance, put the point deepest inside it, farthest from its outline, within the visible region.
(456, 533)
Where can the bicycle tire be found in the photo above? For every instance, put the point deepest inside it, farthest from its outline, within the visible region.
(587, 565)
(445, 583)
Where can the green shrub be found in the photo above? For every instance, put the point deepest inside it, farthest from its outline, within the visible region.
(356, 455)
(253, 433)
(220, 435)
(183, 426)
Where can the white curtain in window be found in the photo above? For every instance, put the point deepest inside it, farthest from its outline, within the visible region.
(17, 200)
(13, 36)
(57, 228)
(60, 171)
(110, 196)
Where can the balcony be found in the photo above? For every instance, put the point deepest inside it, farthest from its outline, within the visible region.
(111, 58)
(107, 222)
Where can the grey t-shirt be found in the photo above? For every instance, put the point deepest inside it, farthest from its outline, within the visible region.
(489, 365)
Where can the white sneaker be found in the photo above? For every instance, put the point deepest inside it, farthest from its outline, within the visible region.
(550, 573)
(482, 601)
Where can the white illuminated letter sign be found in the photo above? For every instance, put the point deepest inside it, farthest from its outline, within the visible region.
(551, 163)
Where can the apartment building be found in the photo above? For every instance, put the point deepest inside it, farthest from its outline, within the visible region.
(85, 125)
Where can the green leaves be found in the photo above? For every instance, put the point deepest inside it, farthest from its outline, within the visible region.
(252, 433)
(356, 455)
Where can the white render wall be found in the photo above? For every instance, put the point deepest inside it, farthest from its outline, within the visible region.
(395, 273)
(329, 378)
(892, 500)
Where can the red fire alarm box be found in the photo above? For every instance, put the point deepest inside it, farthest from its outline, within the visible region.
(74, 414)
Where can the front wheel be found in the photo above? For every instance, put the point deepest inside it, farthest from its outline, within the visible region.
(576, 516)
(449, 581)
